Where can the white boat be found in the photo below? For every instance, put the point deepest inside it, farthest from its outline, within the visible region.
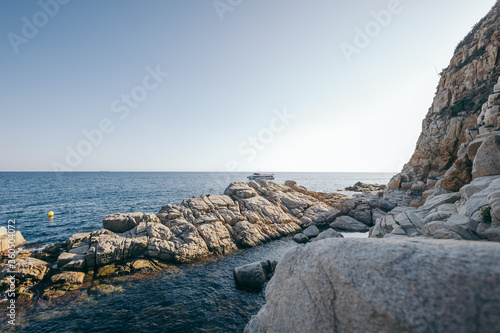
(258, 175)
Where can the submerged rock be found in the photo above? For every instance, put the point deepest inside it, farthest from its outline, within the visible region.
(369, 285)
(254, 275)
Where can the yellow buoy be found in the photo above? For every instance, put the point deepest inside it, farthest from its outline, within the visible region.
(51, 214)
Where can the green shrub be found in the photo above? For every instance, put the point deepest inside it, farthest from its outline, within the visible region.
(485, 213)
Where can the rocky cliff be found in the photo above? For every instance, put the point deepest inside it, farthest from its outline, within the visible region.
(466, 106)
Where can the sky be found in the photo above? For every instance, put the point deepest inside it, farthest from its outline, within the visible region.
(224, 85)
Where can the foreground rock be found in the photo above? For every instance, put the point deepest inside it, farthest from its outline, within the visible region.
(339, 285)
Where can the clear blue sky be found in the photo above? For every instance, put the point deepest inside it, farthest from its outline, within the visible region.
(226, 81)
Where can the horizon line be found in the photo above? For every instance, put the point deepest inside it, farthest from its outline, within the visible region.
(116, 171)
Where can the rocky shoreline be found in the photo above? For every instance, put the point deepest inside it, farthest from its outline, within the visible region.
(247, 215)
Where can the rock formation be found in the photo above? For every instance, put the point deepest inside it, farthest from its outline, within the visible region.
(248, 214)
(339, 285)
(454, 169)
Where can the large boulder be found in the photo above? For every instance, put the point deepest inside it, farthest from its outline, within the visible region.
(111, 248)
(393, 285)
(124, 222)
(487, 158)
(217, 237)
(180, 244)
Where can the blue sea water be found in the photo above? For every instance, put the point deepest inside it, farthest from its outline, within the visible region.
(195, 297)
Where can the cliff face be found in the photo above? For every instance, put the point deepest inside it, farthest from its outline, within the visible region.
(462, 110)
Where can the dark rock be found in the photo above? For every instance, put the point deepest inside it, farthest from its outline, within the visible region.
(300, 238)
(347, 223)
(254, 275)
(311, 232)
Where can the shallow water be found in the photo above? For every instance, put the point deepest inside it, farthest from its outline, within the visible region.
(199, 297)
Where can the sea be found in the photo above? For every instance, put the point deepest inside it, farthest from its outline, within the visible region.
(195, 297)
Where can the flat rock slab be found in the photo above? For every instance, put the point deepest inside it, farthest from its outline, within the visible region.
(31, 268)
(384, 285)
(68, 278)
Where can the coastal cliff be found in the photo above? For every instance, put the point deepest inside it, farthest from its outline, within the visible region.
(465, 108)
(452, 180)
